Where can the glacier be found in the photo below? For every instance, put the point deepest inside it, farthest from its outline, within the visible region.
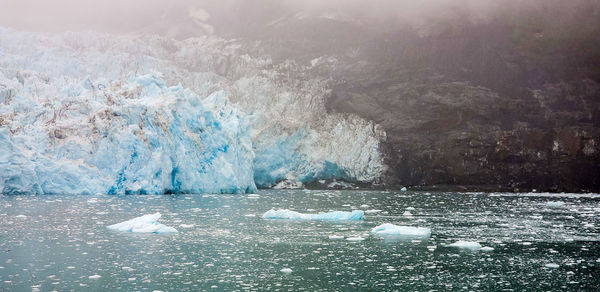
(356, 215)
(86, 113)
(144, 224)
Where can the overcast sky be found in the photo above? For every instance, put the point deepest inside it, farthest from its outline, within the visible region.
(159, 15)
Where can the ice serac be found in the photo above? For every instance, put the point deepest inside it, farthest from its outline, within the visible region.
(355, 215)
(144, 224)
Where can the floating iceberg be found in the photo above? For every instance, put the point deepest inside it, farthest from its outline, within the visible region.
(555, 204)
(388, 229)
(466, 245)
(144, 224)
(355, 215)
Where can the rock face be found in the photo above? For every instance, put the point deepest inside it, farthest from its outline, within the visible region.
(509, 103)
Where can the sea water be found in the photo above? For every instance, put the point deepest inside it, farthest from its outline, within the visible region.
(62, 242)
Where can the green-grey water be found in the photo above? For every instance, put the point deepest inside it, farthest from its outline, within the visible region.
(58, 242)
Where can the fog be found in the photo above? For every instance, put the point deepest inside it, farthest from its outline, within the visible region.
(234, 16)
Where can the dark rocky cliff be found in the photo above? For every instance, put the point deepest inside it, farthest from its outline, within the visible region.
(510, 103)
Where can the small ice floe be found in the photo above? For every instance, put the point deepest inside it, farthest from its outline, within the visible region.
(487, 249)
(355, 215)
(407, 214)
(555, 204)
(355, 238)
(364, 206)
(336, 237)
(186, 225)
(552, 266)
(286, 270)
(388, 229)
(466, 245)
(249, 215)
(144, 224)
(372, 211)
(403, 189)
(410, 208)
(21, 216)
(254, 196)
(94, 277)
(288, 184)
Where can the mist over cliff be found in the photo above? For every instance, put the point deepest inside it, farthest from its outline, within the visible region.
(474, 94)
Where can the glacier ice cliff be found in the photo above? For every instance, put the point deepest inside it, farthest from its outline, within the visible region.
(133, 136)
(99, 113)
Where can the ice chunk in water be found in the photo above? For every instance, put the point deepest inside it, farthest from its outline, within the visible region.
(487, 248)
(403, 189)
(466, 245)
(388, 229)
(355, 238)
(144, 224)
(286, 270)
(555, 204)
(355, 215)
(552, 266)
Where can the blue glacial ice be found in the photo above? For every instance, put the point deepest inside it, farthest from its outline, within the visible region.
(144, 224)
(134, 136)
(388, 229)
(355, 215)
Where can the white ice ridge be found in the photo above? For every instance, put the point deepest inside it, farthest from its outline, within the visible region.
(97, 113)
(144, 224)
(388, 229)
(355, 215)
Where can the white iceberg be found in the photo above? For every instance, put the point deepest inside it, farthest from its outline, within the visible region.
(466, 245)
(144, 224)
(286, 270)
(388, 229)
(555, 204)
(355, 215)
